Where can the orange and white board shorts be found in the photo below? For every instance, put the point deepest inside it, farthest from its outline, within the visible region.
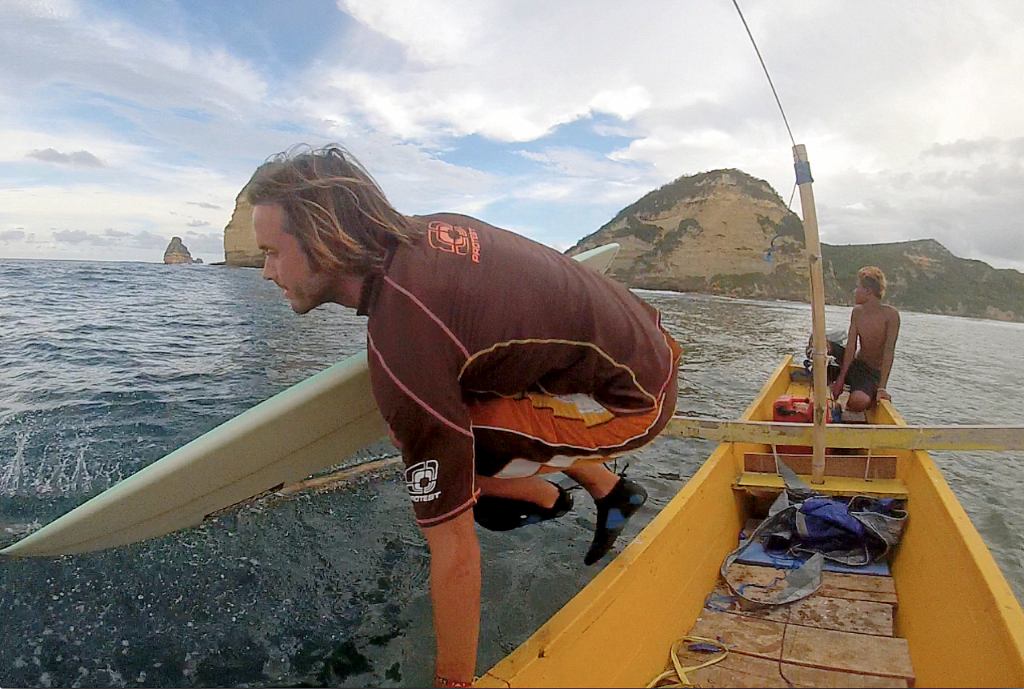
(538, 433)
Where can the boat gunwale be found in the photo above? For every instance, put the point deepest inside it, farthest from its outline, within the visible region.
(1001, 599)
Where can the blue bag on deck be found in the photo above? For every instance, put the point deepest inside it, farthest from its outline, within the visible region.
(826, 524)
(853, 532)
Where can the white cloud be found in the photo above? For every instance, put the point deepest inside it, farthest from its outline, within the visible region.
(410, 24)
(970, 208)
(51, 45)
(513, 71)
(417, 181)
(867, 97)
(624, 103)
(48, 9)
(912, 123)
(572, 174)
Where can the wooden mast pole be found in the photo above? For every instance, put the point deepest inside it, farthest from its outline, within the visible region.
(819, 344)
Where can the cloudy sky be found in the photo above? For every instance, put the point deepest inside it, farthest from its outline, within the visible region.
(122, 124)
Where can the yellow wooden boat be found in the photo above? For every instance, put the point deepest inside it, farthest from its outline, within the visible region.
(942, 615)
(958, 619)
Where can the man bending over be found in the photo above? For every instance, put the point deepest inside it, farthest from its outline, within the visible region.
(493, 359)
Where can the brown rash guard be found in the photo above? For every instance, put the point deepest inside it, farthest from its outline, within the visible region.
(471, 311)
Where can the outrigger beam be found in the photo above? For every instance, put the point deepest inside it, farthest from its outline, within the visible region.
(966, 438)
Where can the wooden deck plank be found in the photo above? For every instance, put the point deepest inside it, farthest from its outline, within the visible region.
(724, 598)
(759, 584)
(859, 582)
(845, 651)
(833, 591)
(850, 466)
(760, 575)
(862, 617)
(879, 589)
(842, 636)
(736, 670)
(853, 416)
(742, 634)
(802, 676)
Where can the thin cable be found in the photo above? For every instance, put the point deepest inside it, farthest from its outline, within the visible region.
(765, 68)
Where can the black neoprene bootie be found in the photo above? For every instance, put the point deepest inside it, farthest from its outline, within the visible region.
(613, 511)
(505, 514)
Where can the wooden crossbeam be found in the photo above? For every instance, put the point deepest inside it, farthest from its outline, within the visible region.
(997, 438)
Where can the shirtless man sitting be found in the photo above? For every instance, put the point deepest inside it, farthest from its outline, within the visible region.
(871, 343)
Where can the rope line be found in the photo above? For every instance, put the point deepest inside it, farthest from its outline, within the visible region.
(765, 68)
(677, 674)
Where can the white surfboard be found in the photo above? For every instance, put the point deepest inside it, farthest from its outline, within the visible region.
(311, 426)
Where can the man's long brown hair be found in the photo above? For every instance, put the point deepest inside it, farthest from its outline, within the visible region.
(332, 206)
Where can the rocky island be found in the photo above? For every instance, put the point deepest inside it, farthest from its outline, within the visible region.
(177, 253)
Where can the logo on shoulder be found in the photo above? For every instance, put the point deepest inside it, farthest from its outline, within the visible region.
(454, 240)
(421, 480)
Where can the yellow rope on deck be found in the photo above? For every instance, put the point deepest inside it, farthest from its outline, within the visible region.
(678, 672)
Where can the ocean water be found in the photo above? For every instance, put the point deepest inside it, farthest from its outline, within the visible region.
(105, 368)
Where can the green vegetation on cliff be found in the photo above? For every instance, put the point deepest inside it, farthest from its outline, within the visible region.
(924, 276)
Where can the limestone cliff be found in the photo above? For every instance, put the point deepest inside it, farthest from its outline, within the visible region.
(239, 241)
(722, 232)
(177, 252)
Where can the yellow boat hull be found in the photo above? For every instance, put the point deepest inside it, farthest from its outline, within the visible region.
(962, 622)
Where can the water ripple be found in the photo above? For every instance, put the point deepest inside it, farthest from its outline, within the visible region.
(107, 367)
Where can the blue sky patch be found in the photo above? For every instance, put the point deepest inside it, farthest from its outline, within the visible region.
(278, 37)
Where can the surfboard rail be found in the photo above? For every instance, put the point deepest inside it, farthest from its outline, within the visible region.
(313, 425)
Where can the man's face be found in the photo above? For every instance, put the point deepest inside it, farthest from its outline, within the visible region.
(286, 263)
(861, 294)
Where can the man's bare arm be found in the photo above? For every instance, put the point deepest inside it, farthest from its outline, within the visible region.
(455, 592)
(848, 356)
(892, 331)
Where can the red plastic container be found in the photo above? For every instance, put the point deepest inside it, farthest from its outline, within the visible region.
(794, 410)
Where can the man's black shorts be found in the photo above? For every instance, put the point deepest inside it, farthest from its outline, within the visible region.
(860, 376)
(864, 378)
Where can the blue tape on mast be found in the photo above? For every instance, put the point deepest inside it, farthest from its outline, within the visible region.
(803, 172)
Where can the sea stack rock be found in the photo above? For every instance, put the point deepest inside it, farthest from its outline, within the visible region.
(177, 252)
(239, 238)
